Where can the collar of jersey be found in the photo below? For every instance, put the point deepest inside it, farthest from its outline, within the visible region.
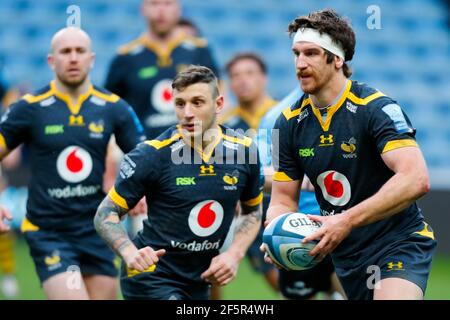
(163, 54)
(254, 120)
(74, 108)
(332, 109)
(204, 154)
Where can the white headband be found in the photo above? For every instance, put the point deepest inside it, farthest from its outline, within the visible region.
(323, 40)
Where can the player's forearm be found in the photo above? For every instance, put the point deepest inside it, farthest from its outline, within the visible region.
(107, 223)
(246, 231)
(397, 194)
(277, 209)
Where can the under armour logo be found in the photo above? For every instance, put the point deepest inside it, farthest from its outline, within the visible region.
(326, 140)
(76, 120)
(395, 266)
(207, 170)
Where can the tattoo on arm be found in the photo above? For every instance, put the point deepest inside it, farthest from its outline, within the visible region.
(107, 223)
(250, 217)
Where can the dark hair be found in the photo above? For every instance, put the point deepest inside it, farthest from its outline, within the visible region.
(185, 22)
(196, 74)
(338, 28)
(247, 55)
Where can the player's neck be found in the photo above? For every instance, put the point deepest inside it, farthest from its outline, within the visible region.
(330, 92)
(253, 106)
(162, 39)
(73, 92)
(205, 141)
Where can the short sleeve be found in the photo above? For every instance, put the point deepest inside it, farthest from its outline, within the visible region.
(138, 170)
(252, 194)
(390, 128)
(15, 124)
(128, 129)
(282, 153)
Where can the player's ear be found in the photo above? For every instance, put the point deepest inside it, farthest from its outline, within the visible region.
(219, 104)
(338, 62)
(51, 61)
(92, 59)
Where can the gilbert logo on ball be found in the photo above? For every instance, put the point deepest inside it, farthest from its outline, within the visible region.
(74, 164)
(283, 241)
(205, 218)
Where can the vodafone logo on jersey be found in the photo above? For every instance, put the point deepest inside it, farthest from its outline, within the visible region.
(74, 164)
(335, 187)
(161, 97)
(205, 218)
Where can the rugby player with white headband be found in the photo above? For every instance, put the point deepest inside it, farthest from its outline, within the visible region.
(365, 165)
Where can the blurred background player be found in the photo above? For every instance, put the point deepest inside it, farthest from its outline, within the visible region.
(67, 126)
(188, 27)
(142, 71)
(191, 204)
(300, 285)
(247, 73)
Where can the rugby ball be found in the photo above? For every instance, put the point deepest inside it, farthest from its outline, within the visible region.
(283, 237)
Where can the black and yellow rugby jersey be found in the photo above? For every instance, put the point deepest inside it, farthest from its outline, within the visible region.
(67, 145)
(341, 155)
(191, 195)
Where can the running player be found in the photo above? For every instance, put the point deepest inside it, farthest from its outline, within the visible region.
(192, 175)
(358, 148)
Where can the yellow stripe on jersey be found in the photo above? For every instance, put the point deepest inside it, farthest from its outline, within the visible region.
(289, 114)
(117, 198)
(3, 142)
(32, 99)
(281, 177)
(107, 97)
(130, 46)
(255, 201)
(246, 141)
(366, 100)
(134, 272)
(28, 226)
(161, 144)
(397, 144)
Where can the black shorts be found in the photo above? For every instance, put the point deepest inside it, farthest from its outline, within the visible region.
(82, 249)
(159, 285)
(408, 259)
(302, 285)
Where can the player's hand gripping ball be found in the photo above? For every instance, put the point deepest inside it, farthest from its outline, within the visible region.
(283, 241)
